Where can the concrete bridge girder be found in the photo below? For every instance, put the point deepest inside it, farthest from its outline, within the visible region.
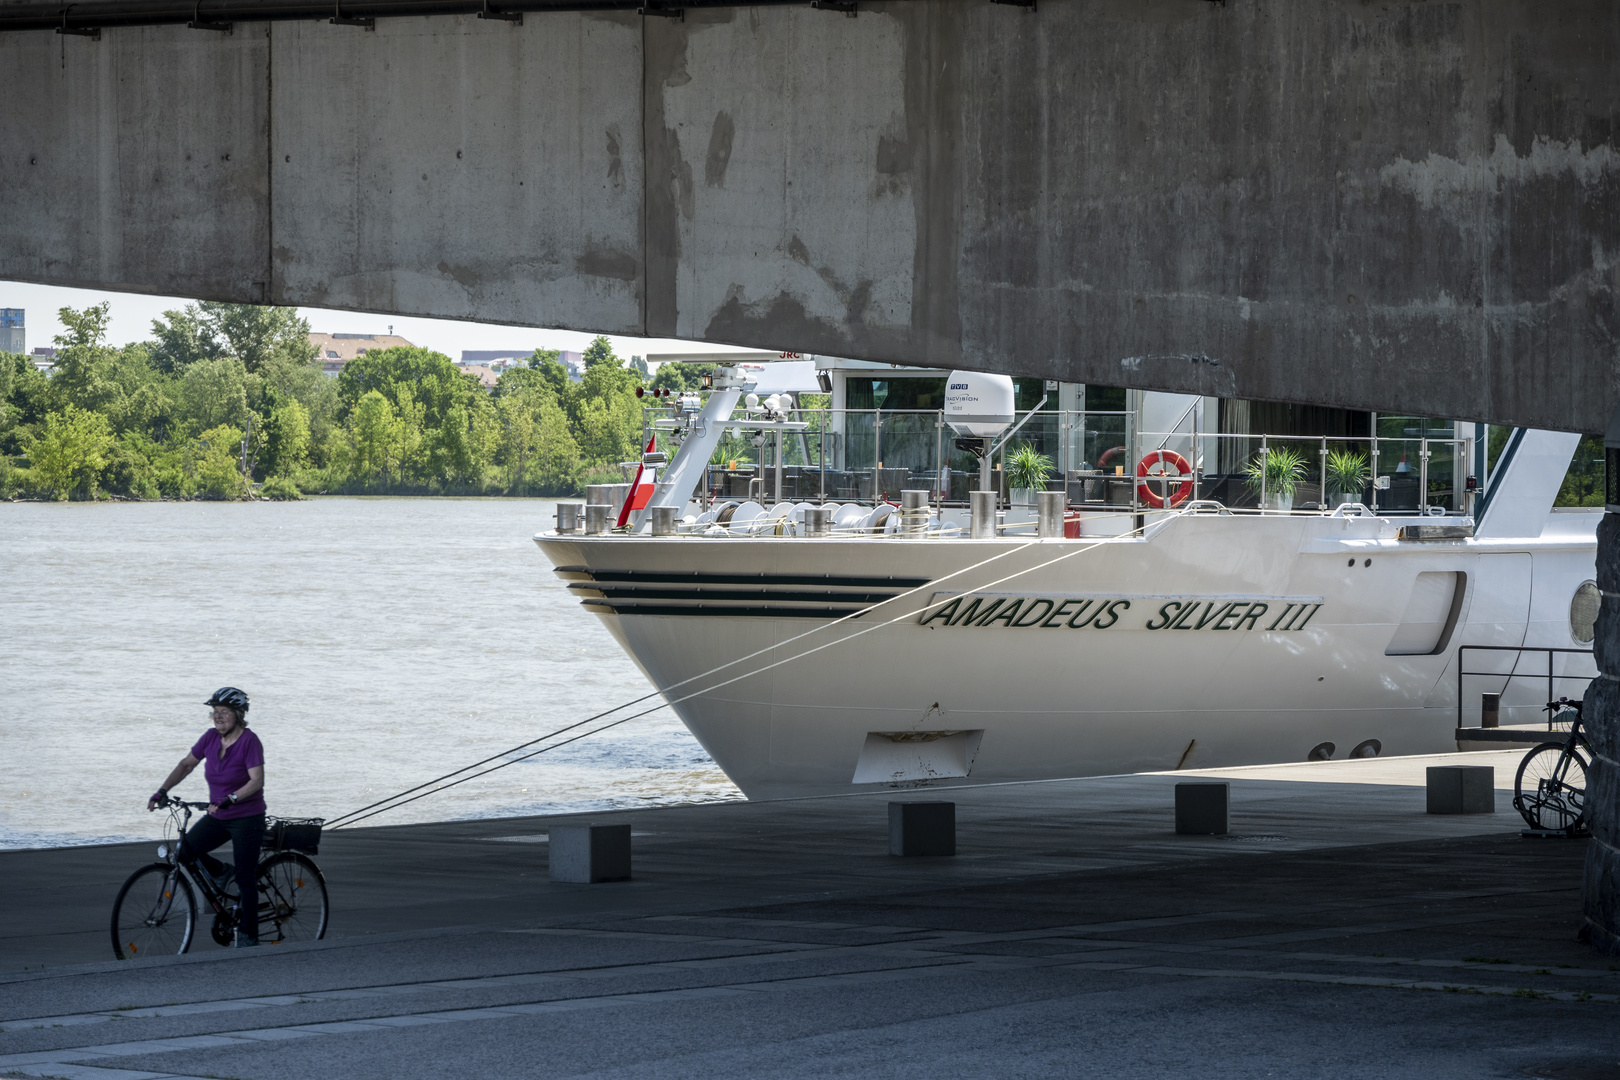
(1403, 206)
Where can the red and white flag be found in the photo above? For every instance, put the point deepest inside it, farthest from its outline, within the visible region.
(641, 491)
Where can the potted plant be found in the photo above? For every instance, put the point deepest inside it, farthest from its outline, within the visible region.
(1347, 476)
(1027, 471)
(1275, 473)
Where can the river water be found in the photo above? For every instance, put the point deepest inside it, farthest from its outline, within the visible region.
(382, 641)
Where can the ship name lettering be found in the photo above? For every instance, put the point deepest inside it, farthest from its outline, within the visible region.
(1100, 613)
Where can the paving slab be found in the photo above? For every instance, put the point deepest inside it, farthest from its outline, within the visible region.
(1336, 930)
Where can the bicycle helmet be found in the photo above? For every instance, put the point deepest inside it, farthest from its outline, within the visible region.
(231, 696)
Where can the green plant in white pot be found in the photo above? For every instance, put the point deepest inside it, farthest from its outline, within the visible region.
(1027, 472)
(1347, 476)
(1275, 474)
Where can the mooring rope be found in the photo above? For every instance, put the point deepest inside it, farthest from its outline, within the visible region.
(394, 802)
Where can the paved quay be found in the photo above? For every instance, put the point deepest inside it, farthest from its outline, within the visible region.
(1338, 931)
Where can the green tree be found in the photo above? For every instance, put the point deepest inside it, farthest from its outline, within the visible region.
(680, 376)
(183, 338)
(259, 336)
(554, 468)
(70, 453)
(520, 419)
(216, 463)
(83, 373)
(376, 436)
(214, 392)
(414, 444)
(599, 353)
(86, 327)
(554, 372)
(28, 400)
(286, 437)
(433, 380)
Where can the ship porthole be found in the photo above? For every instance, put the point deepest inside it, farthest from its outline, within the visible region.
(1583, 612)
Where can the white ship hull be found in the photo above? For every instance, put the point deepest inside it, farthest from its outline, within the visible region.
(1315, 629)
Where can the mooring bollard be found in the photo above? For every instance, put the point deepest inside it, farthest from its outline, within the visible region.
(1461, 789)
(984, 515)
(1201, 807)
(597, 521)
(818, 520)
(585, 854)
(663, 520)
(913, 512)
(1052, 504)
(922, 828)
(568, 516)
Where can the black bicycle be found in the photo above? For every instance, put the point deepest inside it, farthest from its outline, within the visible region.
(156, 910)
(1549, 791)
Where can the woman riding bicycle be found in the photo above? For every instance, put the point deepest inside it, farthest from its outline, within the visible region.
(234, 769)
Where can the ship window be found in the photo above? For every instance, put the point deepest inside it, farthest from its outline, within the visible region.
(1583, 612)
(1430, 615)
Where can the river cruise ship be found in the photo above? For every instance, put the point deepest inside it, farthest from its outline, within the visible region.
(1144, 582)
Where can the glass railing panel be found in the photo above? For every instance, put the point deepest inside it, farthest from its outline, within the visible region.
(1399, 463)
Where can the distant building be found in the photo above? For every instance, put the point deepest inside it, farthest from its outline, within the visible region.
(44, 359)
(485, 374)
(335, 350)
(503, 360)
(13, 339)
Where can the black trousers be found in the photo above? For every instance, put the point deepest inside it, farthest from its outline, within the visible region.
(246, 835)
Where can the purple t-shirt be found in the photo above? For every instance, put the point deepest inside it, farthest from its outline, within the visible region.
(230, 773)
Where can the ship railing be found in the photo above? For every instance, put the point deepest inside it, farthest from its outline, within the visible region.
(1523, 678)
(871, 455)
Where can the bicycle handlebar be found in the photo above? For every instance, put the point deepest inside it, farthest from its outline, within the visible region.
(172, 802)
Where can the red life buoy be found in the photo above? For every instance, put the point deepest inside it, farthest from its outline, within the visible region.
(1108, 456)
(1161, 458)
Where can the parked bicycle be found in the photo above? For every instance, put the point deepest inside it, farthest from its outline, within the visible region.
(1549, 791)
(156, 910)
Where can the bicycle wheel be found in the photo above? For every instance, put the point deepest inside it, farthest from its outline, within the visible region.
(292, 899)
(154, 915)
(1549, 791)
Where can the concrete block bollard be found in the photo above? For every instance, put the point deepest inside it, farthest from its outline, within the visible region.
(1462, 789)
(586, 854)
(922, 828)
(1201, 807)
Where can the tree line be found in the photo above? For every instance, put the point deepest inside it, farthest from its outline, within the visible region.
(227, 399)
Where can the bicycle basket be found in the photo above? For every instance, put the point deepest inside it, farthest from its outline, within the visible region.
(293, 834)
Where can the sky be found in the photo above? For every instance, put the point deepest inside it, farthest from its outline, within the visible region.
(132, 315)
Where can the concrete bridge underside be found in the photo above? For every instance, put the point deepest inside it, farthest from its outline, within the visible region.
(1397, 205)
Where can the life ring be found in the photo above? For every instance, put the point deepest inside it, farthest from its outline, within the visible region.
(1163, 457)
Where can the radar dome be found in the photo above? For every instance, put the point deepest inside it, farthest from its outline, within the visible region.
(978, 405)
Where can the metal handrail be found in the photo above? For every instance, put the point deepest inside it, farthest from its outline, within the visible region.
(1550, 651)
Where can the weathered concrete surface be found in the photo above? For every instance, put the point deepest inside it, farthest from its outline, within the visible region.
(461, 167)
(1398, 205)
(1338, 932)
(137, 162)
